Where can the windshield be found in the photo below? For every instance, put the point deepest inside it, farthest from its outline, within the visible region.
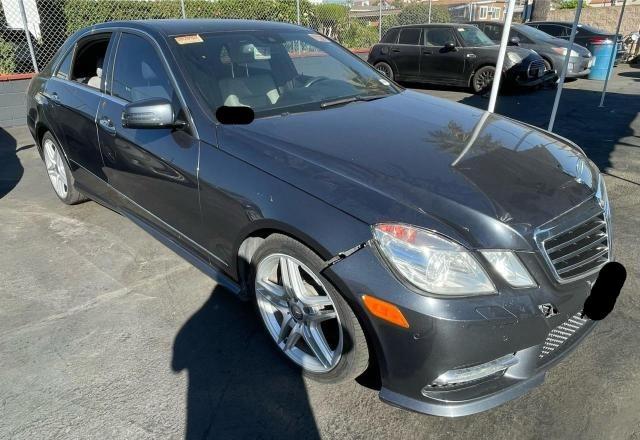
(533, 33)
(275, 72)
(474, 37)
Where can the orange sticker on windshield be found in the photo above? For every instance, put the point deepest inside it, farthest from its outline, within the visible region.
(188, 39)
(319, 37)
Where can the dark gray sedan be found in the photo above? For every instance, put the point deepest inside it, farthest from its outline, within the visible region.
(446, 249)
(552, 50)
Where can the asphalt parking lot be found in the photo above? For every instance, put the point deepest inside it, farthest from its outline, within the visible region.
(104, 333)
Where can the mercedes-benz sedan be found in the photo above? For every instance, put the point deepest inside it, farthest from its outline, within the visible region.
(447, 249)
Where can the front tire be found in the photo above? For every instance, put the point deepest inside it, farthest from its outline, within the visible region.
(482, 79)
(385, 69)
(59, 172)
(309, 321)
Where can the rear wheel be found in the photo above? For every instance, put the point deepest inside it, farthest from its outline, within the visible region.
(310, 322)
(385, 69)
(59, 173)
(482, 79)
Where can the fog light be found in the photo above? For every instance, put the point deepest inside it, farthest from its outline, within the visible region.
(470, 374)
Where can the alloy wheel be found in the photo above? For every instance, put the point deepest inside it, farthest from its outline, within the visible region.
(55, 168)
(483, 79)
(385, 69)
(299, 313)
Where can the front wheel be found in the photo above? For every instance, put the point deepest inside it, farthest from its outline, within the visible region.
(482, 79)
(385, 69)
(309, 321)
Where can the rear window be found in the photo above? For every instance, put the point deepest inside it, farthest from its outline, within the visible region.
(391, 36)
(409, 36)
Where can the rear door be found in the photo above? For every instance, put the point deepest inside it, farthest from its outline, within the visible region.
(153, 169)
(406, 53)
(74, 103)
(439, 64)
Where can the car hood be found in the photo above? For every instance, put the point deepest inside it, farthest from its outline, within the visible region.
(478, 177)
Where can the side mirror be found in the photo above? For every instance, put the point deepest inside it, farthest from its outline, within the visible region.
(450, 46)
(150, 113)
(514, 41)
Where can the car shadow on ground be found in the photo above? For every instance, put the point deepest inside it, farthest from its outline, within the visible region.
(239, 385)
(11, 170)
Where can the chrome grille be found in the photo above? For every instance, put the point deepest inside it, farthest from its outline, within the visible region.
(535, 67)
(580, 250)
(561, 334)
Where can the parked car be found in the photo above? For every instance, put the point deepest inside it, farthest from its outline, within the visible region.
(452, 54)
(552, 50)
(585, 34)
(454, 246)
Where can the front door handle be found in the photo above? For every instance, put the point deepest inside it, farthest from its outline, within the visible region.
(395, 50)
(107, 125)
(427, 52)
(471, 55)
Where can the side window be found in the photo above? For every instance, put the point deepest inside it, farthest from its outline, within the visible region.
(138, 72)
(439, 36)
(493, 31)
(551, 29)
(64, 69)
(391, 36)
(409, 36)
(88, 59)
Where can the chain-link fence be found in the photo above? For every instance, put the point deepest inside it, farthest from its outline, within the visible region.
(33, 30)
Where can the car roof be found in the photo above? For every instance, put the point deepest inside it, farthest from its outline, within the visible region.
(431, 24)
(167, 27)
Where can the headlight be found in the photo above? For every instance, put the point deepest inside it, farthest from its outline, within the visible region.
(514, 57)
(507, 264)
(563, 51)
(430, 261)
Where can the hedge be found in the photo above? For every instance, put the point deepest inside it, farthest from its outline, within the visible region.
(7, 57)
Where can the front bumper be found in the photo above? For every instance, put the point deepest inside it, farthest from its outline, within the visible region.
(453, 333)
(530, 82)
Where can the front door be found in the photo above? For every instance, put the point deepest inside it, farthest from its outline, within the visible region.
(153, 169)
(438, 63)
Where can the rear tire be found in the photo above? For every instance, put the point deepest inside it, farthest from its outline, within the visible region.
(308, 320)
(482, 79)
(385, 69)
(59, 172)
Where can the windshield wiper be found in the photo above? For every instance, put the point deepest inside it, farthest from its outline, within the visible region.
(350, 99)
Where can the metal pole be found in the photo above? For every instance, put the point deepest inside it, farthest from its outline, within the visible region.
(429, 11)
(298, 10)
(184, 13)
(565, 65)
(501, 53)
(380, 20)
(613, 55)
(23, 14)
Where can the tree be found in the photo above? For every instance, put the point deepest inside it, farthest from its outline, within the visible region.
(418, 13)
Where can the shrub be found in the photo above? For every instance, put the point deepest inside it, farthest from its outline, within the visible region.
(7, 57)
(359, 35)
(568, 4)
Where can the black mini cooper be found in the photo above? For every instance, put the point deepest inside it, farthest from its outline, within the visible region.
(448, 249)
(453, 54)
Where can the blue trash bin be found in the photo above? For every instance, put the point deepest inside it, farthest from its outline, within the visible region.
(602, 51)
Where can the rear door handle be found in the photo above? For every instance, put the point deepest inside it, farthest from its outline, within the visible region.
(107, 125)
(427, 52)
(395, 50)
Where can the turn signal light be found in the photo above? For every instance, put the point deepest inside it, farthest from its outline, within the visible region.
(385, 310)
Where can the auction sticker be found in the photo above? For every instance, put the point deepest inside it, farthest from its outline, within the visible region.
(189, 39)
